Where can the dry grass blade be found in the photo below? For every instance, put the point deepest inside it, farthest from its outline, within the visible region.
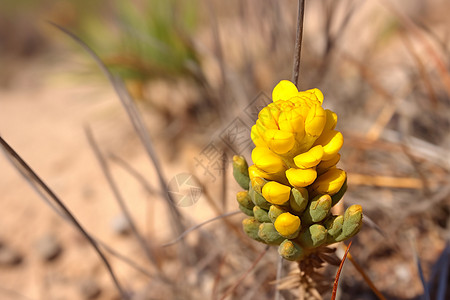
(149, 252)
(241, 278)
(137, 122)
(20, 163)
(298, 42)
(338, 274)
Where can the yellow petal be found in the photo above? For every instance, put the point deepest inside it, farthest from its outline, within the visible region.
(266, 118)
(256, 137)
(331, 142)
(287, 224)
(291, 121)
(284, 90)
(317, 93)
(309, 159)
(327, 164)
(330, 182)
(276, 193)
(315, 121)
(279, 141)
(301, 177)
(267, 161)
(330, 124)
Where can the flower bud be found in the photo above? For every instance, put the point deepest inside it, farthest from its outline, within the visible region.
(313, 237)
(269, 235)
(298, 199)
(309, 159)
(331, 142)
(240, 171)
(288, 225)
(301, 177)
(329, 182)
(325, 165)
(251, 228)
(317, 209)
(261, 214)
(284, 90)
(267, 161)
(276, 193)
(279, 141)
(274, 212)
(291, 251)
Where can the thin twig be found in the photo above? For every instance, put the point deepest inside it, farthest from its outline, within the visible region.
(338, 274)
(29, 171)
(118, 196)
(298, 42)
(181, 236)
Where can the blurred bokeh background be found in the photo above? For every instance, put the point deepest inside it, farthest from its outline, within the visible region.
(198, 71)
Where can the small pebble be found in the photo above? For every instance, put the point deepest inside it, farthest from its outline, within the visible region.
(90, 289)
(120, 225)
(48, 248)
(9, 256)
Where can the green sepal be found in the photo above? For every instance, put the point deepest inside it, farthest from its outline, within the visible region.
(244, 199)
(240, 171)
(317, 210)
(292, 251)
(258, 199)
(298, 199)
(333, 225)
(269, 234)
(274, 212)
(245, 210)
(338, 196)
(261, 214)
(313, 236)
(352, 222)
(251, 228)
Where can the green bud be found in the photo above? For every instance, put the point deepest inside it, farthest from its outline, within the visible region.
(313, 237)
(243, 198)
(258, 198)
(274, 212)
(298, 199)
(245, 210)
(334, 228)
(251, 228)
(338, 196)
(317, 209)
(269, 234)
(290, 250)
(240, 171)
(261, 215)
(352, 221)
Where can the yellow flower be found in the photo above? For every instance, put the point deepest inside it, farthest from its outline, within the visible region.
(288, 225)
(276, 193)
(296, 142)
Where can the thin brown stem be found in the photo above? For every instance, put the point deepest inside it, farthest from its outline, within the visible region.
(298, 42)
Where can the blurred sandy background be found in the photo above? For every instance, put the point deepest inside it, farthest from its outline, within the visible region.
(194, 68)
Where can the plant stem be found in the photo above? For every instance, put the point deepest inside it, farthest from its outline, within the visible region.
(298, 42)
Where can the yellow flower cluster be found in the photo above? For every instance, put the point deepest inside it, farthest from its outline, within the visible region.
(294, 182)
(296, 145)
